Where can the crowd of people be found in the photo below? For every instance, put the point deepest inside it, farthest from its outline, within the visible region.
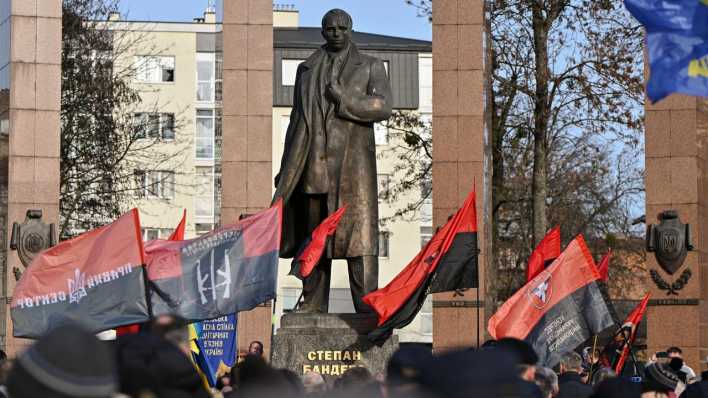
(156, 363)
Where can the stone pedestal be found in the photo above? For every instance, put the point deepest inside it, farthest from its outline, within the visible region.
(459, 154)
(329, 344)
(247, 131)
(30, 96)
(676, 148)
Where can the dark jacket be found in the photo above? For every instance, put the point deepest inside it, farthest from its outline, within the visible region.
(696, 390)
(350, 153)
(571, 386)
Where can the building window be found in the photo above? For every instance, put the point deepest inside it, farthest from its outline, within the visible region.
(155, 69)
(218, 134)
(380, 134)
(205, 134)
(386, 66)
(384, 237)
(202, 229)
(219, 81)
(284, 124)
(156, 233)
(289, 71)
(217, 194)
(384, 181)
(426, 85)
(155, 125)
(340, 301)
(4, 123)
(154, 184)
(204, 193)
(167, 126)
(426, 233)
(151, 234)
(426, 317)
(289, 295)
(206, 71)
(140, 178)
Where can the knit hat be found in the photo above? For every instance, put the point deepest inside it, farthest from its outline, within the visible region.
(662, 375)
(66, 362)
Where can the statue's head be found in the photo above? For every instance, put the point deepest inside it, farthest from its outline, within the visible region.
(337, 29)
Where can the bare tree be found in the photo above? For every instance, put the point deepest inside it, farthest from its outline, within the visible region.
(411, 150)
(565, 131)
(107, 131)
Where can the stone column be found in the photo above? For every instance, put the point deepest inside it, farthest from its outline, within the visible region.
(676, 144)
(458, 150)
(32, 157)
(247, 127)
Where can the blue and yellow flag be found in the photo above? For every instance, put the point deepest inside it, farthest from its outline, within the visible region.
(213, 344)
(677, 42)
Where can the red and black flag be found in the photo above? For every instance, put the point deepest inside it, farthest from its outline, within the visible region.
(543, 255)
(619, 348)
(604, 267)
(559, 309)
(177, 234)
(311, 250)
(447, 262)
(96, 279)
(231, 269)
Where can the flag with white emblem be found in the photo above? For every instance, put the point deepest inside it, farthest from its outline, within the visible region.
(231, 269)
(96, 279)
(558, 309)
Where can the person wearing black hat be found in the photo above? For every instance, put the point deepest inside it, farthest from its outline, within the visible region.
(148, 363)
(570, 381)
(471, 373)
(525, 355)
(617, 387)
(405, 368)
(67, 362)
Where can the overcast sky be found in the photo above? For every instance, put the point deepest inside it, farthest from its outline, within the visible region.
(388, 17)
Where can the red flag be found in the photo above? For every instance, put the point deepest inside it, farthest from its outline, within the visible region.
(96, 279)
(447, 262)
(558, 309)
(604, 267)
(547, 250)
(178, 233)
(231, 269)
(312, 249)
(631, 323)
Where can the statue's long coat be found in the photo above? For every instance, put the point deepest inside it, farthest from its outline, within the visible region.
(350, 152)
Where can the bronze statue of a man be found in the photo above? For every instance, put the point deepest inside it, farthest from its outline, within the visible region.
(329, 160)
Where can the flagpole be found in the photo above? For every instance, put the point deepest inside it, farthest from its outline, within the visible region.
(478, 304)
(592, 357)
